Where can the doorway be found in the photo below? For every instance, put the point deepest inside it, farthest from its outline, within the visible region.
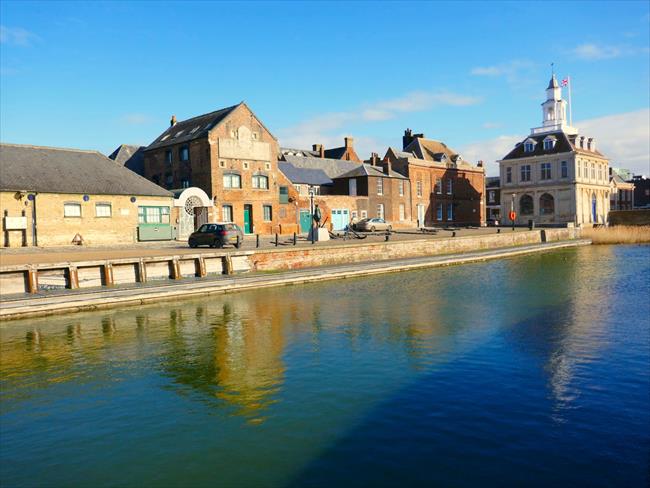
(248, 219)
(420, 215)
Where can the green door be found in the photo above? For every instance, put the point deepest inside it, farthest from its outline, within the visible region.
(248, 219)
(305, 221)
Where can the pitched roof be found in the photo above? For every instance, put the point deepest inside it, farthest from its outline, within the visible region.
(331, 167)
(298, 152)
(335, 153)
(308, 176)
(563, 144)
(401, 154)
(60, 170)
(370, 170)
(131, 157)
(191, 129)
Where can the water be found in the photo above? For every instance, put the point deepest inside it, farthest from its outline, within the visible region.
(531, 371)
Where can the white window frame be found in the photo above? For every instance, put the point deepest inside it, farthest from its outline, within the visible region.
(400, 186)
(439, 212)
(226, 213)
(418, 188)
(380, 186)
(228, 180)
(380, 211)
(258, 179)
(68, 211)
(103, 205)
(450, 212)
(564, 169)
(450, 186)
(509, 174)
(402, 212)
(545, 171)
(268, 208)
(439, 186)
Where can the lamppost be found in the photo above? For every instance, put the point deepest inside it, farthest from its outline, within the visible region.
(512, 211)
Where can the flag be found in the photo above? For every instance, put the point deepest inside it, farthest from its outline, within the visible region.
(565, 81)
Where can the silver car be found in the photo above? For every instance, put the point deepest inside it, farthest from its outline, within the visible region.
(371, 225)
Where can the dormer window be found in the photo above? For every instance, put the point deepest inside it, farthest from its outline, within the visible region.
(549, 143)
(529, 147)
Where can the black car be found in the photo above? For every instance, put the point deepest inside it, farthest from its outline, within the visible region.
(217, 235)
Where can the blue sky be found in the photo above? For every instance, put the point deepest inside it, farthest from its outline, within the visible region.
(95, 75)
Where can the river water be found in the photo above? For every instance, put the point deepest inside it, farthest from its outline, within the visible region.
(531, 371)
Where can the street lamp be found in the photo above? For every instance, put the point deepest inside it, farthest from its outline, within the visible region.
(311, 212)
(512, 211)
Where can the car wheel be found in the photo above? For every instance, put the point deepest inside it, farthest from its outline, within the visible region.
(214, 244)
(192, 244)
(372, 229)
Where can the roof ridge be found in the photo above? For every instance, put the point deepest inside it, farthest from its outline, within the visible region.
(33, 146)
(210, 113)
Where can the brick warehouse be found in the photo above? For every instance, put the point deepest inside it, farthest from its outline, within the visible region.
(445, 189)
(233, 158)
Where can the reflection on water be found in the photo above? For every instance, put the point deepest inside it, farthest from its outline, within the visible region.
(553, 345)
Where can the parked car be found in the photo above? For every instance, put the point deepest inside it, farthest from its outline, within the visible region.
(372, 225)
(217, 234)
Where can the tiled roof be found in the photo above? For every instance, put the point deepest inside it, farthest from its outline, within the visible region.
(58, 170)
(563, 144)
(131, 157)
(370, 170)
(191, 129)
(308, 176)
(331, 167)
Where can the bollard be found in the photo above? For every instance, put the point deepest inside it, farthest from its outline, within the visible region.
(257, 240)
(313, 234)
(295, 239)
(453, 234)
(276, 240)
(498, 231)
(387, 237)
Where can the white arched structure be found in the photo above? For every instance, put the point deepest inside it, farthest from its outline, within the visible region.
(192, 205)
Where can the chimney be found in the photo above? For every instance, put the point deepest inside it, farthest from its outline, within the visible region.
(480, 163)
(349, 142)
(172, 122)
(373, 159)
(409, 137)
(320, 149)
(387, 167)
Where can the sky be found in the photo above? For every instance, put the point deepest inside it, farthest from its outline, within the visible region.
(94, 75)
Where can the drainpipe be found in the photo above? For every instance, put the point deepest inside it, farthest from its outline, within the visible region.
(34, 233)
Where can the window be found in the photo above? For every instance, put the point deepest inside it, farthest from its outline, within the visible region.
(185, 183)
(400, 186)
(546, 204)
(548, 144)
(380, 211)
(231, 180)
(564, 169)
(246, 165)
(168, 156)
(153, 215)
(402, 212)
(525, 172)
(508, 175)
(546, 171)
(418, 188)
(526, 205)
(226, 213)
(450, 186)
(600, 171)
(185, 153)
(593, 171)
(72, 210)
(491, 196)
(364, 214)
(439, 211)
(529, 147)
(169, 179)
(283, 212)
(284, 194)
(438, 185)
(261, 182)
(579, 169)
(268, 213)
(103, 210)
(222, 164)
(450, 212)
(380, 186)
(267, 166)
(352, 187)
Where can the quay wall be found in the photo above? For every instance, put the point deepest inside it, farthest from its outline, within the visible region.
(44, 278)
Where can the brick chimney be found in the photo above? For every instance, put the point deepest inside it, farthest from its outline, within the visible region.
(349, 142)
(480, 163)
(387, 166)
(409, 137)
(320, 149)
(373, 159)
(172, 122)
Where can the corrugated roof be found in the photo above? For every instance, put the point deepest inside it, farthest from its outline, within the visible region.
(60, 170)
(190, 129)
(305, 176)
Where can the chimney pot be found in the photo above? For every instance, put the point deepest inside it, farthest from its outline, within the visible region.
(172, 122)
(349, 141)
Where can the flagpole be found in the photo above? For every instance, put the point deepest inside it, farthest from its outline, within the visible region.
(570, 107)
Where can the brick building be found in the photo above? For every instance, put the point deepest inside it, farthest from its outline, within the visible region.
(621, 195)
(232, 157)
(641, 191)
(493, 198)
(445, 189)
(57, 197)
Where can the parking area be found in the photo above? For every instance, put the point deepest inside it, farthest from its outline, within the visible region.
(36, 255)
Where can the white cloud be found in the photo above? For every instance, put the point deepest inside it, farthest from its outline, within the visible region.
(513, 71)
(16, 35)
(595, 52)
(624, 138)
(326, 128)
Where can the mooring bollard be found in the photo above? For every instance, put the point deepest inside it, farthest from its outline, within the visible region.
(295, 239)
(387, 237)
(498, 231)
(453, 234)
(276, 240)
(257, 240)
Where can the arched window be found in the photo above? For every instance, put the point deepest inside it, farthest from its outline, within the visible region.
(261, 182)
(546, 204)
(526, 205)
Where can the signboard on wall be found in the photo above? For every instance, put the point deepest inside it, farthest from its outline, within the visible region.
(15, 223)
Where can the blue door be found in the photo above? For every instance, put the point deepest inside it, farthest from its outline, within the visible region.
(340, 218)
(305, 221)
(594, 215)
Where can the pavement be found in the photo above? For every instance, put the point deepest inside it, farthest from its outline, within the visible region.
(40, 255)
